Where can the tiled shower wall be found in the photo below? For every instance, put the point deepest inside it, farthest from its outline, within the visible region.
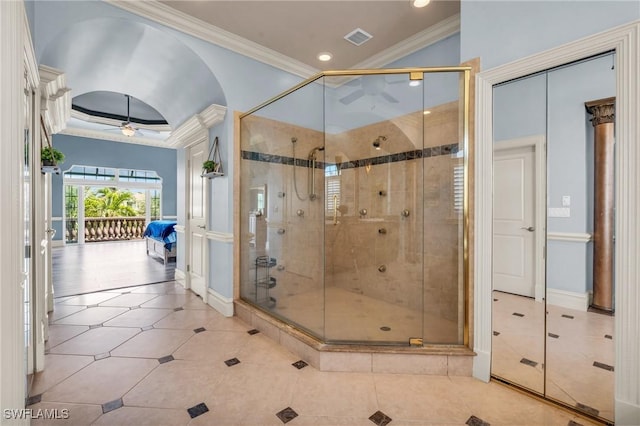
(422, 247)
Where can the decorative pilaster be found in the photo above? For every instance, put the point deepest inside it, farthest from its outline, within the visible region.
(603, 112)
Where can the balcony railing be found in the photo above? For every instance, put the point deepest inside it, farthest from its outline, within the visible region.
(106, 229)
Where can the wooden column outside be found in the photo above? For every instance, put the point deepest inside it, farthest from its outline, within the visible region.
(603, 112)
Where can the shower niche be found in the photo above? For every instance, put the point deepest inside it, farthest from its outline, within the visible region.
(364, 207)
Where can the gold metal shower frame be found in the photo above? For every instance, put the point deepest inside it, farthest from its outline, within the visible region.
(414, 74)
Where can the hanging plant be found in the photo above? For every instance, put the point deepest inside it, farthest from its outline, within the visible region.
(210, 166)
(51, 156)
(213, 166)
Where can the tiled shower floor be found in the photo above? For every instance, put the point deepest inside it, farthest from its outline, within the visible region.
(156, 355)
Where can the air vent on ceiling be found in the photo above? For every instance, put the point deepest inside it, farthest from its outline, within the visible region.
(358, 36)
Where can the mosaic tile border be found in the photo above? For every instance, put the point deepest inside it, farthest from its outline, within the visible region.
(434, 151)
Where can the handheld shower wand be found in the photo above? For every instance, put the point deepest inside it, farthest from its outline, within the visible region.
(312, 167)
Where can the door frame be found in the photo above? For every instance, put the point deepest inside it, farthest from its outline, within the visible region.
(538, 143)
(625, 40)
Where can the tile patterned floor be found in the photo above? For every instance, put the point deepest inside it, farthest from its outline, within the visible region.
(145, 363)
(580, 351)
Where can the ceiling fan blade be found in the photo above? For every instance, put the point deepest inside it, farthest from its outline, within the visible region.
(389, 98)
(352, 97)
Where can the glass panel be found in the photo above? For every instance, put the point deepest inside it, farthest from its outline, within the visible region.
(580, 348)
(155, 195)
(71, 213)
(373, 172)
(518, 293)
(282, 208)
(443, 192)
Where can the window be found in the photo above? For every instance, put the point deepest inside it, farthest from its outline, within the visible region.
(332, 185)
(458, 188)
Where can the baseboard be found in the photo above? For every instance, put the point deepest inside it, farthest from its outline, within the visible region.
(57, 243)
(482, 365)
(569, 299)
(627, 414)
(222, 304)
(181, 277)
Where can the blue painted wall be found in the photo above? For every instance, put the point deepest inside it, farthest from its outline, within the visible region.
(94, 152)
(499, 32)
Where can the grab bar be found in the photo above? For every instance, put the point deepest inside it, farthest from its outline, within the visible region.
(335, 209)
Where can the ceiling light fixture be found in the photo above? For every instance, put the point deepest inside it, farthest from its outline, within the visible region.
(414, 83)
(324, 56)
(128, 130)
(420, 3)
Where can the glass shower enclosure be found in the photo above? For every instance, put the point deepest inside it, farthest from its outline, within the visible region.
(354, 206)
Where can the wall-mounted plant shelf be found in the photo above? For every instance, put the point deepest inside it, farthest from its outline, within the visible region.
(212, 168)
(212, 175)
(50, 169)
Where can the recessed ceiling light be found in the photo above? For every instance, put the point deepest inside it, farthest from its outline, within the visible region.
(414, 83)
(420, 3)
(324, 56)
(426, 112)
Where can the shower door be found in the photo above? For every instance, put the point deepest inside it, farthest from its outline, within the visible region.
(373, 209)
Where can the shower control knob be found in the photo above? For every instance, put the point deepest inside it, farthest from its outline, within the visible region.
(382, 268)
(405, 213)
(300, 212)
(280, 231)
(382, 231)
(363, 212)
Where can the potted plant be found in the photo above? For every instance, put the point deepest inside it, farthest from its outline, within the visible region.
(51, 156)
(209, 166)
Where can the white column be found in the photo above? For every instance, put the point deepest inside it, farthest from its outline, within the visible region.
(12, 354)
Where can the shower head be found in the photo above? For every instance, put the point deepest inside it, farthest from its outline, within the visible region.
(312, 153)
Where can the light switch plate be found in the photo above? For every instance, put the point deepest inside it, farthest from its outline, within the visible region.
(559, 212)
(566, 200)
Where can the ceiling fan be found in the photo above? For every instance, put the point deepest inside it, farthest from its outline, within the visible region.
(373, 85)
(127, 128)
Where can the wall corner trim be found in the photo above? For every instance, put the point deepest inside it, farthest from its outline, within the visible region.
(195, 129)
(222, 304)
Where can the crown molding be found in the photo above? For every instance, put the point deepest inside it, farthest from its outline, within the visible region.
(30, 62)
(115, 137)
(55, 105)
(196, 128)
(424, 38)
(172, 18)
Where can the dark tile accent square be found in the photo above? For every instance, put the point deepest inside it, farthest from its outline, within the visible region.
(231, 362)
(199, 330)
(528, 362)
(608, 336)
(253, 331)
(603, 366)
(299, 364)
(197, 410)
(179, 309)
(476, 421)
(567, 316)
(517, 314)
(455, 148)
(445, 149)
(34, 399)
(380, 418)
(149, 327)
(91, 327)
(426, 152)
(435, 151)
(572, 423)
(112, 405)
(166, 359)
(287, 415)
(102, 356)
(587, 409)
(555, 336)
(496, 333)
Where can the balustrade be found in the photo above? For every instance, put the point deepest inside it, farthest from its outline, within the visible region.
(108, 229)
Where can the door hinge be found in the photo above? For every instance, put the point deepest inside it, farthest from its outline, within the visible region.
(187, 268)
(415, 341)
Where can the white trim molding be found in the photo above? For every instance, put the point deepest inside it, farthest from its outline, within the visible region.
(181, 277)
(180, 229)
(114, 137)
(195, 129)
(116, 123)
(625, 40)
(222, 237)
(55, 105)
(572, 237)
(569, 299)
(222, 304)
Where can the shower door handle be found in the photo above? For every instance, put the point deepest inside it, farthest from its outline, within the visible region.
(530, 228)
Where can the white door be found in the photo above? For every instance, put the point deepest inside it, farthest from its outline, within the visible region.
(514, 221)
(197, 214)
